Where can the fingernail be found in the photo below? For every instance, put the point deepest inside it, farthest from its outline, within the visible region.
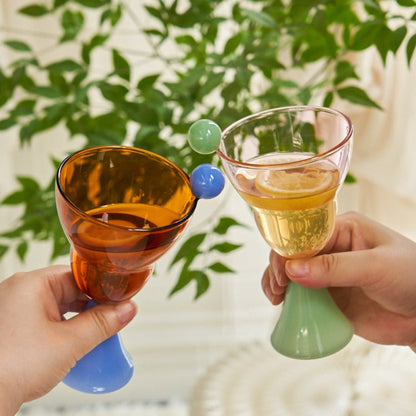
(126, 311)
(297, 268)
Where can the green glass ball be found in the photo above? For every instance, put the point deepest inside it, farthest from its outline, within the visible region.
(204, 136)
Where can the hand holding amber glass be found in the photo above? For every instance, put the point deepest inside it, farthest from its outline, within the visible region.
(121, 209)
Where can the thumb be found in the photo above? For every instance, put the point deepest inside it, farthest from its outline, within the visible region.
(95, 325)
(333, 270)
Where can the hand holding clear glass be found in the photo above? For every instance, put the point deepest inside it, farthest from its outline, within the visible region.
(288, 164)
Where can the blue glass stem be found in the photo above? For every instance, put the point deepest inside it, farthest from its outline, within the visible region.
(106, 368)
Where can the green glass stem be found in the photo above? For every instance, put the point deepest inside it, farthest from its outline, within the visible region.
(310, 325)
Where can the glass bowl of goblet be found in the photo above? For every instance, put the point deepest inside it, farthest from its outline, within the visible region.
(288, 164)
(121, 209)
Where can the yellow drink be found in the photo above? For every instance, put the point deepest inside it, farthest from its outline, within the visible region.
(294, 208)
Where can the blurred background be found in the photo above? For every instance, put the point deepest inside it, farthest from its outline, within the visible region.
(211, 355)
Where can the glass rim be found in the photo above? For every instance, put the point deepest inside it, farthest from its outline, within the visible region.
(84, 215)
(287, 109)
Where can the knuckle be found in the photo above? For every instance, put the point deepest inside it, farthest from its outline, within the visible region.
(329, 263)
(101, 323)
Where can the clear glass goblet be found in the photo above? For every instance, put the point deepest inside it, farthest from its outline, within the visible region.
(288, 164)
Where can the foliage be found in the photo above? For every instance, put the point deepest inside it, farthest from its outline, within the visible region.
(216, 59)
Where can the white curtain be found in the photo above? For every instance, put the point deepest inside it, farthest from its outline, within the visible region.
(385, 146)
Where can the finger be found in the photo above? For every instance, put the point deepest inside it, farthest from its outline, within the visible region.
(357, 268)
(277, 264)
(75, 306)
(95, 325)
(64, 288)
(265, 283)
(274, 293)
(356, 232)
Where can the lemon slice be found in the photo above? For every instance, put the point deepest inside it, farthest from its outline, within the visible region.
(292, 183)
(300, 188)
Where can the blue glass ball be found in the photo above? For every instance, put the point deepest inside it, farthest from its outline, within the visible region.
(204, 136)
(207, 181)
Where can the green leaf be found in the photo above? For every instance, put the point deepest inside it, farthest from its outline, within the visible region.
(94, 3)
(6, 123)
(85, 53)
(148, 134)
(65, 65)
(225, 247)
(143, 113)
(46, 91)
(189, 248)
(224, 224)
(18, 45)
(112, 92)
(373, 7)
(357, 96)
(97, 40)
(26, 82)
(28, 188)
(318, 45)
(212, 82)
(202, 284)
(329, 98)
(21, 250)
(59, 3)
(261, 18)
(59, 81)
(114, 15)
(366, 35)
(60, 242)
(17, 75)
(147, 82)
(28, 130)
(29, 184)
(232, 44)
(397, 37)
(34, 10)
(77, 81)
(219, 267)
(15, 198)
(350, 178)
(153, 11)
(3, 250)
(406, 3)
(186, 276)
(52, 115)
(344, 70)
(107, 128)
(24, 108)
(186, 40)
(121, 66)
(410, 48)
(304, 95)
(72, 23)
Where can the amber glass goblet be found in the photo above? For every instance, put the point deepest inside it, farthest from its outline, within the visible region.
(121, 209)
